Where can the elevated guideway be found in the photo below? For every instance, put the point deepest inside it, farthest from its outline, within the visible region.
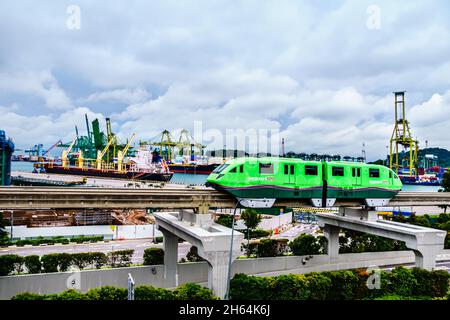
(200, 198)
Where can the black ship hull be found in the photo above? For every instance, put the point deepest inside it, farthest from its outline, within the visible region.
(192, 168)
(91, 172)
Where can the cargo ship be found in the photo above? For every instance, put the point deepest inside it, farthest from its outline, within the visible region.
(139, 167)
(190, 168)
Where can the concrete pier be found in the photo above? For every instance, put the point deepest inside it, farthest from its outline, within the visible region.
(426, 243)
(212, 240)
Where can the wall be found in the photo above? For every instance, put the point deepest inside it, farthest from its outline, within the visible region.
(275, 222)
(197, 272)
(109, 232)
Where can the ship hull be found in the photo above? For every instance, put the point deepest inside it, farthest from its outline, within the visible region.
(91, 172)
(193, 169)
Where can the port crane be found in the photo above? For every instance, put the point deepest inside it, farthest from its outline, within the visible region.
(121, 154)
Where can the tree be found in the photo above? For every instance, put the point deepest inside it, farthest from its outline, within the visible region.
(305, 245)
(192, 255)
(251, 219)
(3, 224)
(446, 182)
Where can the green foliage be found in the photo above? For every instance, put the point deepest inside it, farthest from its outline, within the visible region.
(192, 255)
(258, 233)
(193, 291)
(98, 259)
(319, 286)
(290, 287)
(306, 244)
(64, 261)
(153, 256)
(402, 282)
(446, 181)
(357, 242)
(120, 258)
(271, 247)
(243, 287)
(225, 220)
(9, 263)
(107, 293)
(159, 239)
(33, 264)
(50, 262)
(28, 296)
(344, 285)
(82, 259)
(433, 284)
(152, 293)
(251, 218)
(70, 294)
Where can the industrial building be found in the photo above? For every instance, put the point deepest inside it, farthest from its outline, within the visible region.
(6, 150)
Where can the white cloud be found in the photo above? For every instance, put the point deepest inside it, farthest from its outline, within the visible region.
(126, 96)
(41, 84)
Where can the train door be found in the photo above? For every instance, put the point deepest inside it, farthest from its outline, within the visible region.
(289, 173)
(356, 176)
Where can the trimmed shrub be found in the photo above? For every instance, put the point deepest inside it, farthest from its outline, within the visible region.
(225, 219)
(305, 245)
(433, 284)
(258, 233)
(120, 258)
(70, 294)
(64, 261)
(8, 263)
(28, 296)
(290, 287)
(319, 286)
(50, 262)
(402, 282)
(33, 264)
(81, 260)
(344, 285)
(193, 291)
(152, 293)
(153, 256)
(271, 247)
(107, 293)
(159, 239)
(98, 259)
(192, 255)
(243, 287)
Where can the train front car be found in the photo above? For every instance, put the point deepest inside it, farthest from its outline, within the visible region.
(253, 181)
(259, 182)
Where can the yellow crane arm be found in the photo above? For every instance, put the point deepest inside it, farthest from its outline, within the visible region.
(121, 154)
(100, 154)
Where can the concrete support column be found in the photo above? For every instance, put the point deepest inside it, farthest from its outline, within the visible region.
(426, 256)
(170, 242)
(332, 235)
(218, 272)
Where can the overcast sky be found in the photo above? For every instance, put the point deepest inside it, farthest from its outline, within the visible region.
(320, 72)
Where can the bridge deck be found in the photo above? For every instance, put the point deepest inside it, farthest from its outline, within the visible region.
(166, 198)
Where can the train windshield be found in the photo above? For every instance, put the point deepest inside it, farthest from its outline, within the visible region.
(220, 168)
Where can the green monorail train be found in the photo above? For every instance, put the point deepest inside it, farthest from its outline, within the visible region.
(258, 182)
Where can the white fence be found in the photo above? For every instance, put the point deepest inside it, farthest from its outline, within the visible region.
(275, 222)
(109, 232)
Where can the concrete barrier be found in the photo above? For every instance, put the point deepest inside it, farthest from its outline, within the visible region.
(196, 272)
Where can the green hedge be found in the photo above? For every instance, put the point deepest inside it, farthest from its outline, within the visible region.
(50, 241)
(60, 262)
(188, 291)
(307, 244)
(153, 256)
(341, 285)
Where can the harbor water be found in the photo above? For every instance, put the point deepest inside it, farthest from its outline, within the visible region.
(197, 179)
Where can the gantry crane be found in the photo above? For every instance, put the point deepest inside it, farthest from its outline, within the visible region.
(186, 140)
(122, 153)
(401, 136)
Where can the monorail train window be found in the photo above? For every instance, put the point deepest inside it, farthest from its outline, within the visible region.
(266, 168)
(286, 169)
(241, 168)
(338, 171)
(233, 170)
(356, 172)
(311, 170)
(390, 174)
(220, 168)
(374, 173)
(292, 169)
